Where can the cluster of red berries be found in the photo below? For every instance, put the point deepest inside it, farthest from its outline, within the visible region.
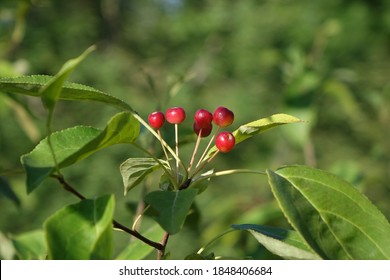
(203, 123)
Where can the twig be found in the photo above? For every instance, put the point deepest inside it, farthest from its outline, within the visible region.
(164, 242)
(136, 234)
(159, 246)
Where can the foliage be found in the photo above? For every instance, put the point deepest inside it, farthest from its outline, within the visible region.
(323, 62)
(331, 219)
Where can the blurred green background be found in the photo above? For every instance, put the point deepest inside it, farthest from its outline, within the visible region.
(326, 62)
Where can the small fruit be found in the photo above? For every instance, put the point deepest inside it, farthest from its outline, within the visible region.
(204, 132)
(225, 141)
(156, 120)
(203, 118)
(223, 117)
(175, 115)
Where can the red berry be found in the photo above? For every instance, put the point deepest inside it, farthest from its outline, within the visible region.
(156, 120)
(175, 115)
(203, 118)
(225, 141)
(223, 117)
(204, 132)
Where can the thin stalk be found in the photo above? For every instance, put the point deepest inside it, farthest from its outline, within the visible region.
(230, 172)
(237, 171)
(195, 151)
(201, 250)
(135, 224)
(154, 133)
(177, 151)
(163, 147)
(172, 179)
(207, 147)
(203, 165)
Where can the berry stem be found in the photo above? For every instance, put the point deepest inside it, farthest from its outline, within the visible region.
(207, 148)
(230, 172)
(177, 151)
(195, 150)
(198, 169)
(154, 133)
(163, 147)
(172, 179)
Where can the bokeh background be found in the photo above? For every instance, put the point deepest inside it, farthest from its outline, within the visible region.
(327, 62)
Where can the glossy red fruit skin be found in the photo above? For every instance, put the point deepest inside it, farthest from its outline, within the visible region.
(223, 117)
(203, 118)
(156, 120)
(205, 131)
(175, 115)
(225, 141)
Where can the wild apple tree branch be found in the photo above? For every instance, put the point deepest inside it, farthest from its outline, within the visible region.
(159, 246)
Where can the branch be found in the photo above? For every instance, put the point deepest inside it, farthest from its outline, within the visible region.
(164, 242)
(159, 246)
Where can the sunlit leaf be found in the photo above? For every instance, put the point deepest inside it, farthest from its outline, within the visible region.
(52, 89)
(81, 231)
(333, 217)
(31, 85)
(251, 129)
(74, 144)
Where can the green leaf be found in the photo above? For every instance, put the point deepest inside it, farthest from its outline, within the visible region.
(74, 144)
(333, 217)
(32, 85)
(134, 170)
(172, 207)
(282, 242)
(51, 90)
(30, 245)
(165, 183)
(251, 129)
(7, 191)
(138, 250)
(202, 181)
(81, 231)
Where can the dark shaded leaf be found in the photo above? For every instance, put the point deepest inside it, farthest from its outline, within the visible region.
(172, 207)
(7, 191)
